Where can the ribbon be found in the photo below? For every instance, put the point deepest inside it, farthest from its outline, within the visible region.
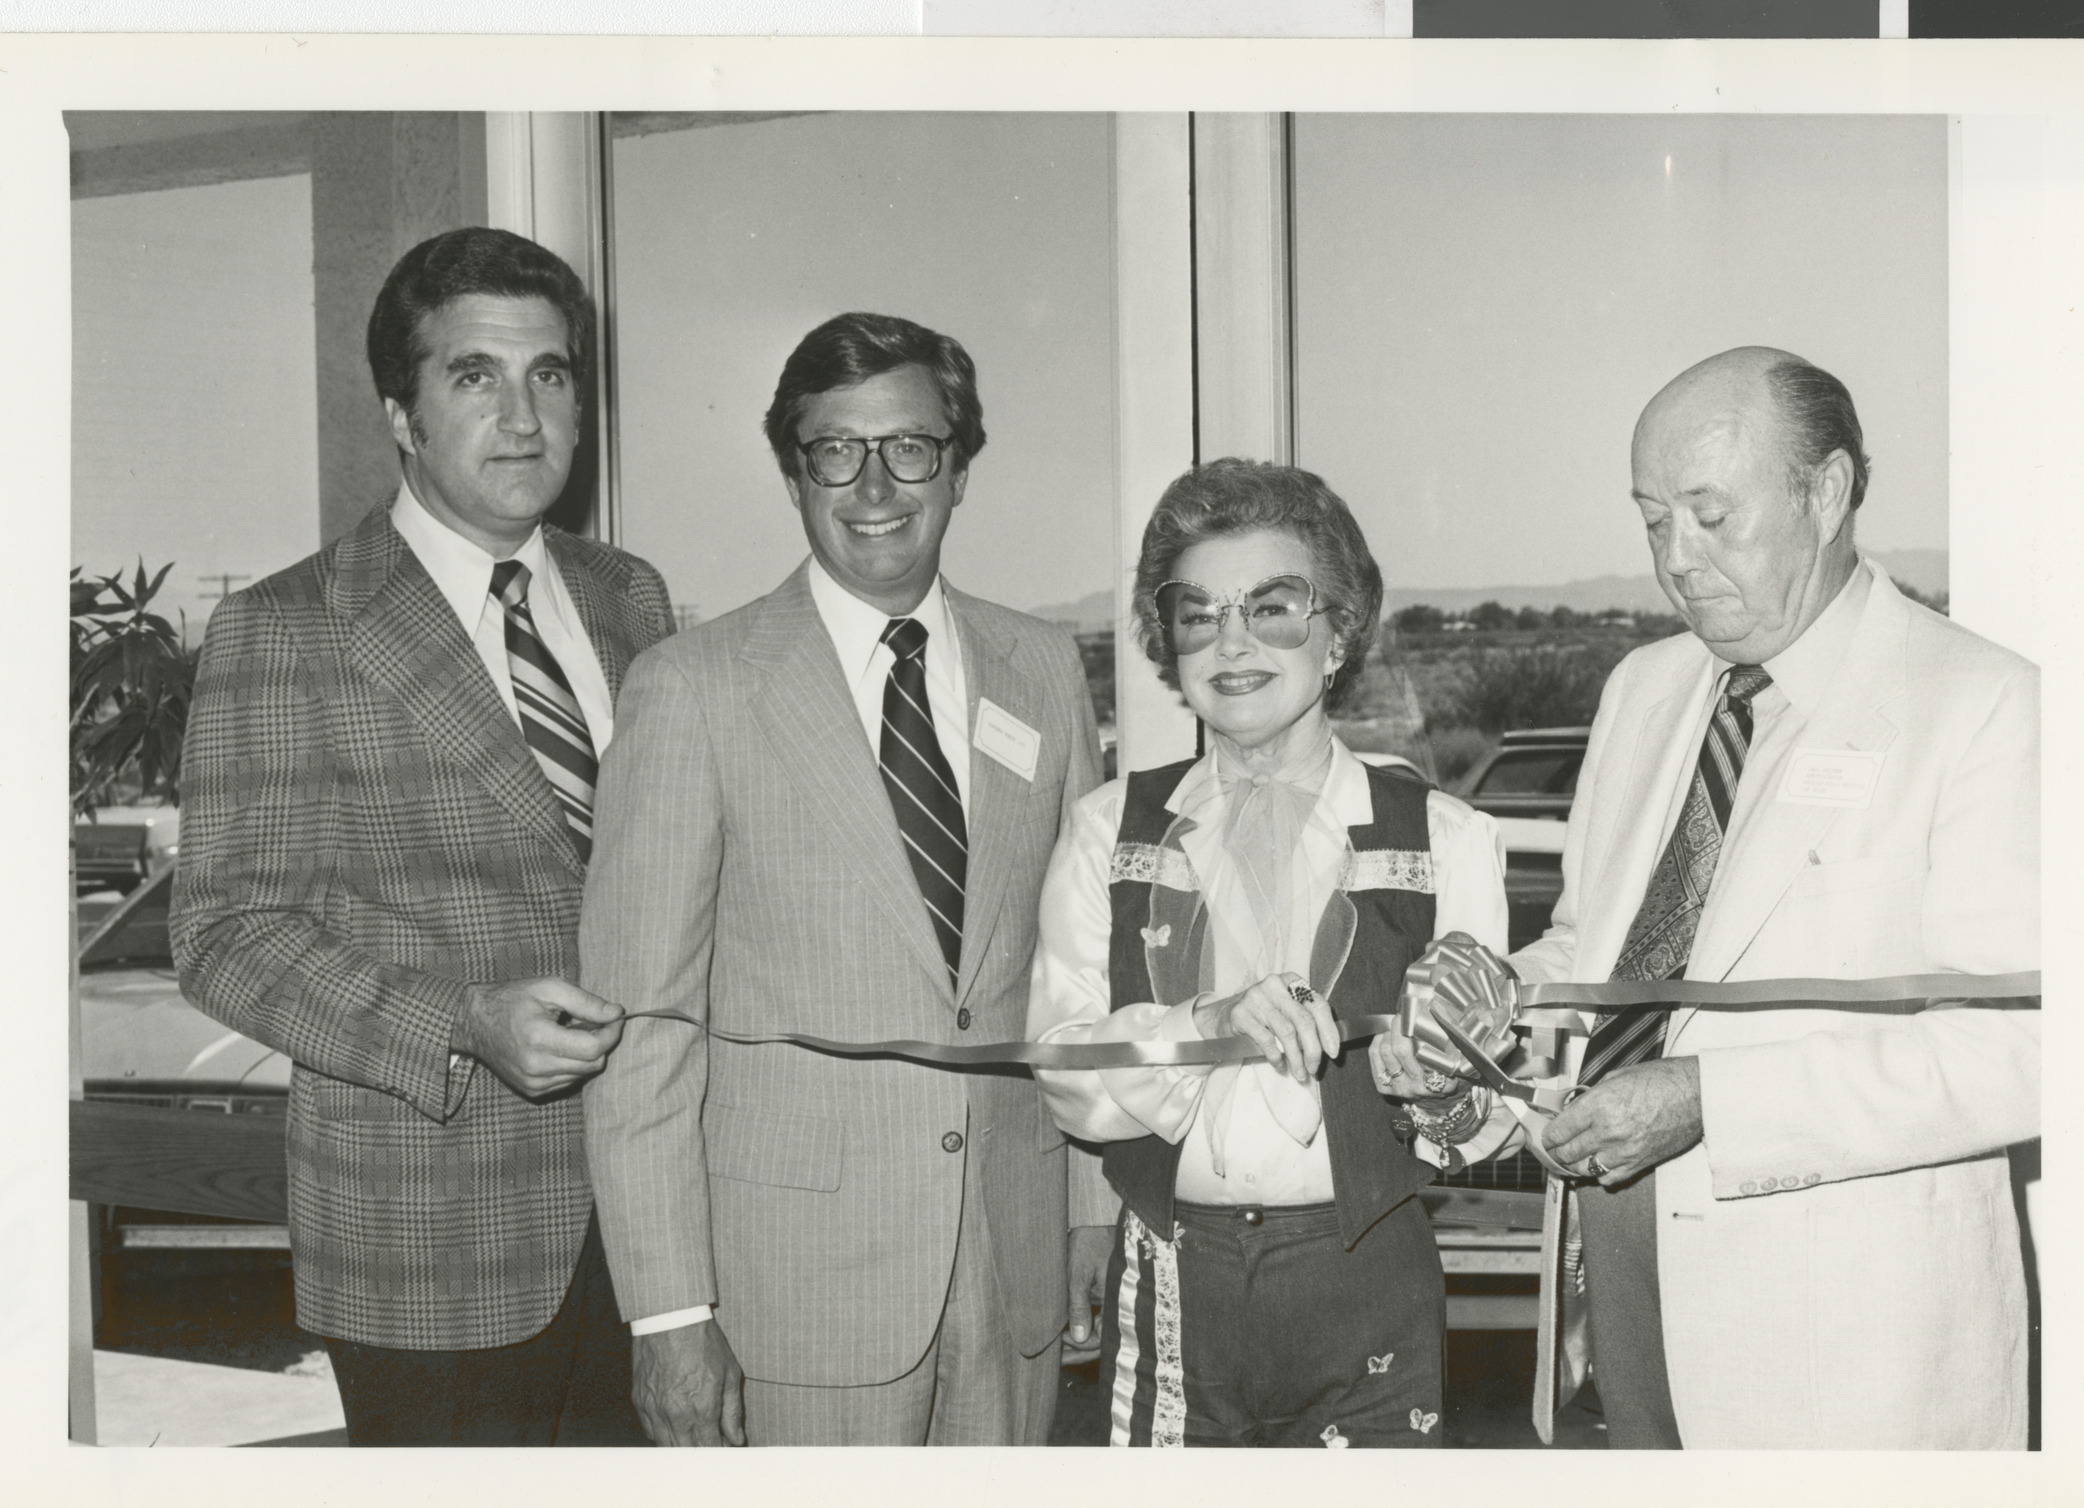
(1900, 995)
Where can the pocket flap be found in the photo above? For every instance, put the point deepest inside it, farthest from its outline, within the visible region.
(763, 1146)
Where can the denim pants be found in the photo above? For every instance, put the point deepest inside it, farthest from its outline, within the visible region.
(1257, 1326)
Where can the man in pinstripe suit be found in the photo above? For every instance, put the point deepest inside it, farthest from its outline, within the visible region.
(830, 812)
(389, 775)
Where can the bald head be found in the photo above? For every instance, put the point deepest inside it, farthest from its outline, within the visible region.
(1750, 531)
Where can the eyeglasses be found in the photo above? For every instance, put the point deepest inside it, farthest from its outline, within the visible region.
(836, 460)
(1276, 612)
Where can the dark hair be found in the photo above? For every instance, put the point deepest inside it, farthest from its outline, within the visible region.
(1234, 496)
(847, 350)
(456, 264)
(1819, 418)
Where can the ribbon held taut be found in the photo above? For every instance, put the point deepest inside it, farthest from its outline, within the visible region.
(1905, 994)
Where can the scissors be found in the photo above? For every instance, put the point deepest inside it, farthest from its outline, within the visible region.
(1531, 1107)
(1547, 1101)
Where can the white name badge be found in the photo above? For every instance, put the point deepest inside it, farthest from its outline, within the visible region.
(1831, 777)
(1006, 738)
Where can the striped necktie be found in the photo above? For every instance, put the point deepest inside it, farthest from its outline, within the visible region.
(1660, 940)
(551, 721)
(922, 789)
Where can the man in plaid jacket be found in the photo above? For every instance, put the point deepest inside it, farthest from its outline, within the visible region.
(388, 790)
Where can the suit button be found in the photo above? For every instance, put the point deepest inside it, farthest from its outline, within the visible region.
(1747, 1187)
(1769, 1184)
(952, 1142)
(1812, 1178)
(1253, 1217)
(962, 1019)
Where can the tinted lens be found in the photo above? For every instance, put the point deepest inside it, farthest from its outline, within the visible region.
(1278, 612)
(1190, 619)
(834, 462)
(912, 458)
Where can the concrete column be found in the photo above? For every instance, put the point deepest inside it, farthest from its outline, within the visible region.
(381, 182)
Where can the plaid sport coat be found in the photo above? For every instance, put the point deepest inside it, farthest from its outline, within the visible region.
(365, 834)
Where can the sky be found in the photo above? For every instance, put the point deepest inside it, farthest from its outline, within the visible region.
(1483, 304)
(194, 385)
(733, 242)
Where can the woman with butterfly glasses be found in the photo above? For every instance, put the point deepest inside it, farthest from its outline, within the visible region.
(1274, 1279)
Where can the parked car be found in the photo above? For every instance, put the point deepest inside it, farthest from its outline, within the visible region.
(121, 847)
(142, 1044)
(1528, 784)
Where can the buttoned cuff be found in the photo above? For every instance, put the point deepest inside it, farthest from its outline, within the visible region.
(676, 1319)
(1752, 1151)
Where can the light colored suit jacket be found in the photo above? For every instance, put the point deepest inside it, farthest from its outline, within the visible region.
(1839, 1258)
(364, 835)
(748, 871)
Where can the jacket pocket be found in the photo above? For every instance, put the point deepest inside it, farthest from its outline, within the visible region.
(763, 1146)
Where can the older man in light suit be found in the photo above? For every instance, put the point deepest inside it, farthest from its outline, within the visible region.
(830, 813)
(1802, 1232)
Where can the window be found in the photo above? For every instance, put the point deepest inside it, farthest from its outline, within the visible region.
(733, 237)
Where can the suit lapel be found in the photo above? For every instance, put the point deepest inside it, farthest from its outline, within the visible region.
(405, 638)
(598, 595)
(1633, 837)
(808, 717)
(998, 796)
(1770, 840)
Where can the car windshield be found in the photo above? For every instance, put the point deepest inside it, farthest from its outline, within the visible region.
(137, 938)
(1532, 772)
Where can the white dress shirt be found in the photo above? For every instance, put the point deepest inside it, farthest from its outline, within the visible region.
(462, 573)
(1070, 998)
(857, 634)
(865, 660)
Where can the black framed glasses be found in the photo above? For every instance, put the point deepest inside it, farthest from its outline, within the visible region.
(837, 460)
(1276, 612)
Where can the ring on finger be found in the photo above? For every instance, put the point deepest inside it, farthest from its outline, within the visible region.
(1594, 1167)
(1438, 1083)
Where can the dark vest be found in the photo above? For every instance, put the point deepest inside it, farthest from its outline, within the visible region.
(1390, 924)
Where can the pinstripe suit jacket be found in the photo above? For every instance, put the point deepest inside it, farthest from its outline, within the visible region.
(748, 870)
(364, 834)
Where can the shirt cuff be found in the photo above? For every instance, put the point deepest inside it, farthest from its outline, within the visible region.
(675, 1319)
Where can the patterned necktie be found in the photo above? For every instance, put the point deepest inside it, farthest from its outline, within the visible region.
(922, 789)
(551, 721)
(1660, 940)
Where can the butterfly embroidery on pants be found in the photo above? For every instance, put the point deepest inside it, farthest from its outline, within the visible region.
(1423, 1422)
(1158, 938)
(1332, 1439)
(1377, 1365)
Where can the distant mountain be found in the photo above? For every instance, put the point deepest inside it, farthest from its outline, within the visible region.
(1925, 570)
(1089, 614)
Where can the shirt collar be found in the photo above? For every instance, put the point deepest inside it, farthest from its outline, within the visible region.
(461, 570)
(1805, 669)
(857, 627)
(1345, 797)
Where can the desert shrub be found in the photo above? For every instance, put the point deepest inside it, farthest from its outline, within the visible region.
(1540, 686)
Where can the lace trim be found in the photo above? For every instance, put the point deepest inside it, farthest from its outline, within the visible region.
(1388, 869)
(1149, 864)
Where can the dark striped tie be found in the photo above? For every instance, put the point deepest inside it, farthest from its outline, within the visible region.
(550, 717)
(922, 789)
(1660, 940)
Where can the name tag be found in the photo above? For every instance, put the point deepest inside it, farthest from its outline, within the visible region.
(1006, 738)
(1831, 777)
